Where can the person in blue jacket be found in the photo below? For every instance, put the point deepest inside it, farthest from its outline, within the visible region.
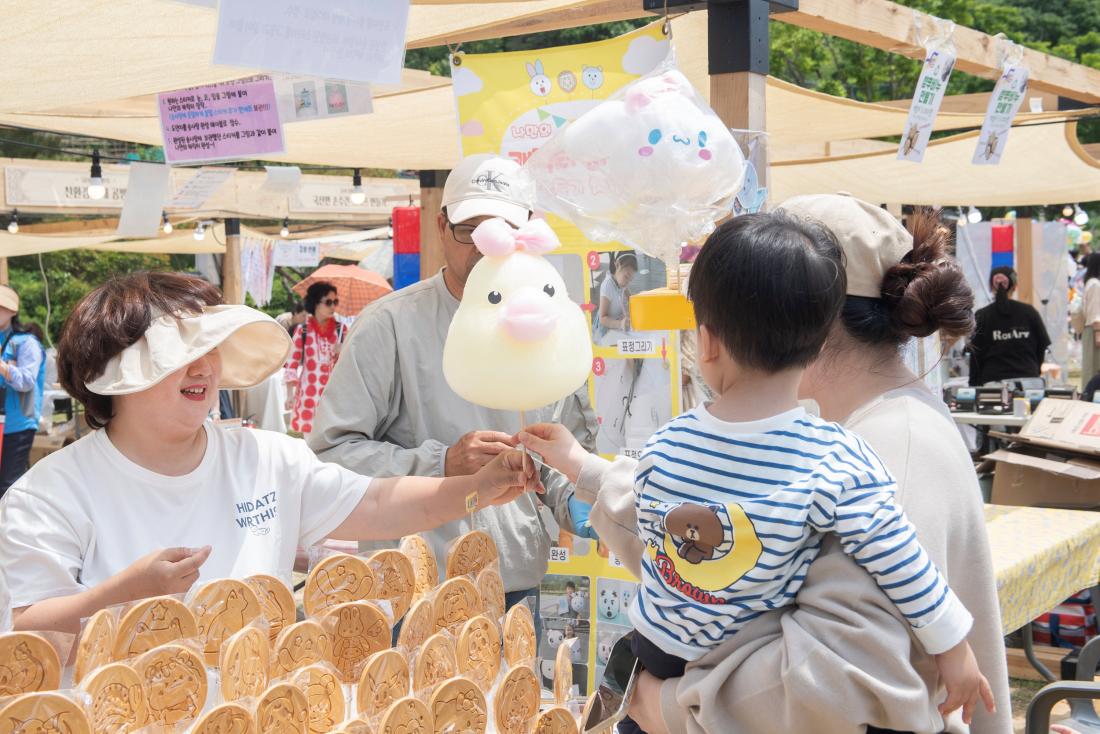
(22, 381)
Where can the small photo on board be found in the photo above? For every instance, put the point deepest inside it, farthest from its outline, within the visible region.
(616, 276)
(633, 398)
(566, 598)
(557, 632)
(607, 635)
(336, 98)
(305, 99)
(613, 598)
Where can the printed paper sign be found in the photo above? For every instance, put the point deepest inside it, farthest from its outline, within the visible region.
(297, 254)
(220, 122)
(145, 197)
(336, 39)
(313, 98)
(200, 187)
(934, 76)
(636, 347)
(32, 186)
(1005, 101)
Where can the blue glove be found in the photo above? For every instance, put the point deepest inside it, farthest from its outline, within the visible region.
(579, 511)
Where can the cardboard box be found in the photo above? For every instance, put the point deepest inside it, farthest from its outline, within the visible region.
(1054, 461)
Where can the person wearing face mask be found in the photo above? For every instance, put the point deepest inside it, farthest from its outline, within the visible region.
(22, 382)
(159, 495)
(1010, 340)
(316, 346)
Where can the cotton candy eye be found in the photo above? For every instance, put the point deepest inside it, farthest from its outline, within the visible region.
(548, 290)
(495, 297)
(702, 139)
(654, 136)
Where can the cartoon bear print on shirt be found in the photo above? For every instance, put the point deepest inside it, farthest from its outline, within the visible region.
(697, 531)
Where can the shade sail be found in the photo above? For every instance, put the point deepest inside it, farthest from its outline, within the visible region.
(1042, 164)
(181, 242)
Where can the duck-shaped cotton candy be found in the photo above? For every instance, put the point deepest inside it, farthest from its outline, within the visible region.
(517, 341)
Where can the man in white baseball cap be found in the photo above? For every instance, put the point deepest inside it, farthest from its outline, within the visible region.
(388, 410)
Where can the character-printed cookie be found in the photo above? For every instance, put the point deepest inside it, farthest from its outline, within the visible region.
(519, 635)
(407, 716)
(229, 718)
(337, 579)
(491, 588)
(418, 626)
(479, 651)
(325, 696)
(43, 713)
(175, 684)
(385, 679)
(357, 629)
(471, 553)
(283, 709)
(27, 664)
(276, 603)
(221, 609)
(563, 674)
(396, 579)
(301, 644)
(455, 602)
(245, 662)
(425, 565)
(517, 701)
(97, 639)
(355, 726)
(152, 623)
(459, 706)
(118, 701)
(435, 663)
(556, 720)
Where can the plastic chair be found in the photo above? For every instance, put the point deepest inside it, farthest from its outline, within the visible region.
(1080, 693)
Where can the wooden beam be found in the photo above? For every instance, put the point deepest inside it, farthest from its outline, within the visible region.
(431, 201)
(77, 226)
(1025, 270)
(232, 287)
(889, 26)
(5, 278)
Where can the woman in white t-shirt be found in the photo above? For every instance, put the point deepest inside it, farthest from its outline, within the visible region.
(160, 495)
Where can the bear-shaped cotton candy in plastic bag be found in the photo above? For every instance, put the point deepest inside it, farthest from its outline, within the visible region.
(517, 341)
(653, 166)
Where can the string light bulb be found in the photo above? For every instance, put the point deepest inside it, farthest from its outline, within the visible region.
(200, 232)
(96, 189)
(960, 221)
(285, 231)
(1080, 216)
(167, 226)
(1067, 211)
(974, 215)
(13, 225)
(358, 196)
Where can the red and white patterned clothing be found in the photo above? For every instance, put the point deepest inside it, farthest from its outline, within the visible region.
(308, 369)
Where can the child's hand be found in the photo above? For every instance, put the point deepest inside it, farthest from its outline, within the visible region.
(965, 683)
(557, 447)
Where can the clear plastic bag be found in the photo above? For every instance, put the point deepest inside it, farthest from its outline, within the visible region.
(652, 166)
(30, 662)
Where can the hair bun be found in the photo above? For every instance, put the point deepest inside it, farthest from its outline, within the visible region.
(927, 291)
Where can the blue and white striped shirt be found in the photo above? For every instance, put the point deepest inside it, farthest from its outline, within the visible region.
(732, 516)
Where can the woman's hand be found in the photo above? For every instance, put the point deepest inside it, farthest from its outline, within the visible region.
(506, 477)
(557, 447)
(166, 571)
(966, 686)
(645, 707)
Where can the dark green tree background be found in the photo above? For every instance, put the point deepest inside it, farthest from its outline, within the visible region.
(1066, 28)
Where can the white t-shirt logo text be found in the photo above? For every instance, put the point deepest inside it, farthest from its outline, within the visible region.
(254, 514)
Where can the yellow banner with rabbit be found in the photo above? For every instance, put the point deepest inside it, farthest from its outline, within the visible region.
(510, 104)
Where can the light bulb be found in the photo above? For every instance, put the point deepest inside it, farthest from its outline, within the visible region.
(1080, 217)
(167, 225)
(973, 215)
(96, 189)
(13, 225)
(200, 232)
(358, 196)
(1067, 211)
(285, 231)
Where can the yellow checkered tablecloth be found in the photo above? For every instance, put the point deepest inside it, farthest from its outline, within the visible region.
(1040, 557)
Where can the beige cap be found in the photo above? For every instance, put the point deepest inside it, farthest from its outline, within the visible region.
(252, 347)
(872, 239)
(489, 186)
(9, 299)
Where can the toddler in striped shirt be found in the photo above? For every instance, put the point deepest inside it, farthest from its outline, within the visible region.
(734, 496)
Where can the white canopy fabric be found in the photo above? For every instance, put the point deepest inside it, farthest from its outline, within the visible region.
(1042, 164)
(181, 242)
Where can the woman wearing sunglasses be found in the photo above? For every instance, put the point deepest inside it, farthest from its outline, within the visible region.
(316, 347)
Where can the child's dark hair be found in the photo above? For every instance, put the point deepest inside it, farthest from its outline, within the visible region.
(769, 286)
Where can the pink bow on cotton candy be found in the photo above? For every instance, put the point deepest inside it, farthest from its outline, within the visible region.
(497, 238)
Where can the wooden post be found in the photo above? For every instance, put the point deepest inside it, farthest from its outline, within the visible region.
(431, 201)
(232, 288)
(1025, 271)
(5, 278)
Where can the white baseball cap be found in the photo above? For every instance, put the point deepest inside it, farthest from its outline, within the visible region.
(489, 186)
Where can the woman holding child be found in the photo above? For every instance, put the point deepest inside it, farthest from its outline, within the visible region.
(838, 657)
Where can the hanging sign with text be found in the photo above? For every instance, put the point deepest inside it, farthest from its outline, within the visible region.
(1005, 102)
(934, 76)
(220, 122)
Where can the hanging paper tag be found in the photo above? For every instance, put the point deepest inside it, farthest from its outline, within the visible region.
(931, 86)
(1007, 97)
